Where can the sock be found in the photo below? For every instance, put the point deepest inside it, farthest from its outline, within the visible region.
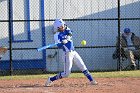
(58, 76)
(88, 75)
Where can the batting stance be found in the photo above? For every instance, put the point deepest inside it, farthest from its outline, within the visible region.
(63, 36)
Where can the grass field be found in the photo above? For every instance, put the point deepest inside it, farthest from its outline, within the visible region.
(115, 74)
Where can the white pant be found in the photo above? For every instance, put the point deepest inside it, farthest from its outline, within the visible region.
(68, 59)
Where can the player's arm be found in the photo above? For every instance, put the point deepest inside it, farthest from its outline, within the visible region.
(59, 44)
(68, 37)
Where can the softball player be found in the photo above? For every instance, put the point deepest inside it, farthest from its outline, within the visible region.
(63, 36)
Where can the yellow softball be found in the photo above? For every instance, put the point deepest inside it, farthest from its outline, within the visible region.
(83, 42)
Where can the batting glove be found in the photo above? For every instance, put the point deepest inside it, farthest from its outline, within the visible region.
(64, 41)
(68, 38)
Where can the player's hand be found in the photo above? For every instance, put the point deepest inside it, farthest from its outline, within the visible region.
(64, 41)
(68, 38)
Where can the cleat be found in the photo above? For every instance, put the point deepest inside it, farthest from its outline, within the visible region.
(48, 82)
(94, 83)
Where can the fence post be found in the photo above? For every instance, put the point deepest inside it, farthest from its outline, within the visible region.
(119, 47)
(10, 33)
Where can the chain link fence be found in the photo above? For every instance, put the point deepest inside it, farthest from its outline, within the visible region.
(26, 25)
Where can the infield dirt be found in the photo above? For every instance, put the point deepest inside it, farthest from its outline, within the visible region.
(72, 85)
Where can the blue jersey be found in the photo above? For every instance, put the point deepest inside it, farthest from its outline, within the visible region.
(62, 36)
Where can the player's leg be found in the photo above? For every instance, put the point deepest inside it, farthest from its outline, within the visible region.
(68, 62)
(131, 58)
(79, 62)
(67, 59)
(137, 55)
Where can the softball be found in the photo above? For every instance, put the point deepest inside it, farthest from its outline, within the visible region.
(83, 42)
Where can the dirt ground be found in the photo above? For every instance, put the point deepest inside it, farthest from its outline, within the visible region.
(72, 85)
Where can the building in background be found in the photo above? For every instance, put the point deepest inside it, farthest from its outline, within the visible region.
(85, 17)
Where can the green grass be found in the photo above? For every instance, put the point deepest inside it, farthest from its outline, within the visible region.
(118, 74)
(115, 74)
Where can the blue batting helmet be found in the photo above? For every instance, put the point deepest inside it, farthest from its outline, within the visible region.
(127, 30)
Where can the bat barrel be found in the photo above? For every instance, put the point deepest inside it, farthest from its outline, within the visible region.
(44, 47)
